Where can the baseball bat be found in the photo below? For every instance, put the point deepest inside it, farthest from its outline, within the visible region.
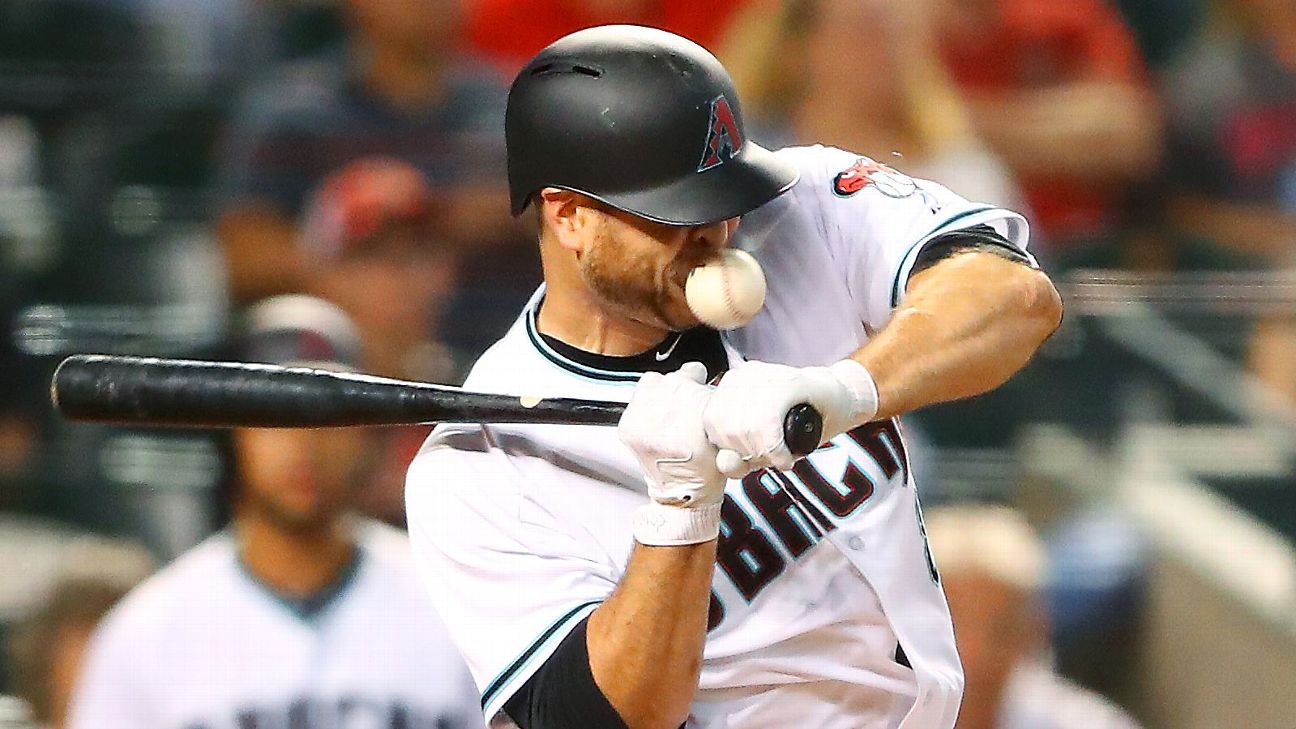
(149, 391)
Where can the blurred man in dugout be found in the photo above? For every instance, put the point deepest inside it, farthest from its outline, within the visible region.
(370, 244)
(992, 567)
(299, 614)
(399, 87)
(47, 648)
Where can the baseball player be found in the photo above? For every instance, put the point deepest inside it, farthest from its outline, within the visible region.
(600, 577)
(297, 616)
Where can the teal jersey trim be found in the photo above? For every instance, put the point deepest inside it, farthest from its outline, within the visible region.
(308, 608)
(566, 621)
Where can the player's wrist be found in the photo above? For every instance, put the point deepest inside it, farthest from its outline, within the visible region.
(862, 389)
(661, 525)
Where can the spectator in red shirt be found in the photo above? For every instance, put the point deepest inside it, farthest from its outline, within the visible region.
(1057, 90)
(866, 76)
(511, 31)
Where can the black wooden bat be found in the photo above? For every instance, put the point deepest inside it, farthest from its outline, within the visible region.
(147, 391)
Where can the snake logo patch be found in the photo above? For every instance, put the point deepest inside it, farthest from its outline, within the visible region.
(866, 172)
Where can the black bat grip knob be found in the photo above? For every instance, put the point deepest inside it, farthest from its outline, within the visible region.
(802, 429)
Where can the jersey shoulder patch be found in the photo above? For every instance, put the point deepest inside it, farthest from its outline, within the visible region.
(866, 172)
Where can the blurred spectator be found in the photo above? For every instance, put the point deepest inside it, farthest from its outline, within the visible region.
(1233, 151)
(1162, 27)
(893, 97)
(373, 249)
(214, 45)
(298, 614)
(511, 31)
(59, 56)
(1057, 89)
(1155, 245)
(992, 567)
(372, 246)
(399, 89)
(47, 649)
(1232, 102)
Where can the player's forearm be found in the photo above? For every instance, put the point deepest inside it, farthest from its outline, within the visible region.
(645, 642)
(966, 325)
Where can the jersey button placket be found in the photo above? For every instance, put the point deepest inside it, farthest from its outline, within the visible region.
(855, 543)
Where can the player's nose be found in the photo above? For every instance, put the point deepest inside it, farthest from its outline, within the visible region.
(715, 235)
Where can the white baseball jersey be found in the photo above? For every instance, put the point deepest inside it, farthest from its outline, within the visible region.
(826, 610)
(203, 645)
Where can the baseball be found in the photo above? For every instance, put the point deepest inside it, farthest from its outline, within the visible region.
(726, 292)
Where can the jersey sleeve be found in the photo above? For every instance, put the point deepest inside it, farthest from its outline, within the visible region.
(109, 693)
(509, 578)
(877, 220)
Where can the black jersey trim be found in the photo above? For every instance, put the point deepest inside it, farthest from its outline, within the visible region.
(926, 238)
(699, 344)
(493, 690)
(551, 354)
(309, 607)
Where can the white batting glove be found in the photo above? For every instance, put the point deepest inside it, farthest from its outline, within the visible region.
(744, 417)
(663, 426)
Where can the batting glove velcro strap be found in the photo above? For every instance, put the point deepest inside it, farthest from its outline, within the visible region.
(660, 525)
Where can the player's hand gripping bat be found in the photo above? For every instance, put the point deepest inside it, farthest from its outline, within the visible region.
(147, 391)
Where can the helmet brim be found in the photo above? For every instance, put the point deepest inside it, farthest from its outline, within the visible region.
(741, 184)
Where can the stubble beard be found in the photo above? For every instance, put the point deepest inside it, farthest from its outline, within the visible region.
(630, 286)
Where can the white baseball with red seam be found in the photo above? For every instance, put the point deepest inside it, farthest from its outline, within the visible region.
(726, 292)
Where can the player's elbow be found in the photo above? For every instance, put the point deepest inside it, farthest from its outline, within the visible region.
(1041, 310)
(661, 707)
(1030, 310)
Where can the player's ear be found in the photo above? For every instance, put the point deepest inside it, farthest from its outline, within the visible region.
(564, 217)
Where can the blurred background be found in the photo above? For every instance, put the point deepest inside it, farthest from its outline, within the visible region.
(165, 163)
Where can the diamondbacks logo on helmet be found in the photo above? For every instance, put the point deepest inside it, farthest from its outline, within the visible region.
(723, 138)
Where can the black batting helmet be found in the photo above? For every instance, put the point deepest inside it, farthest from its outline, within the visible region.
(641, 119)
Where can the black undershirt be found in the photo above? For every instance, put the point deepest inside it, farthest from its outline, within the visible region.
(700, 344)
(563, 694)
(977, 238)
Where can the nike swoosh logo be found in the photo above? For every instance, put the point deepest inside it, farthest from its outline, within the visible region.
(661, 356)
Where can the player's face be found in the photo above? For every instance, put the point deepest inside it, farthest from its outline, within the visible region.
(299, 479)
(638, 267)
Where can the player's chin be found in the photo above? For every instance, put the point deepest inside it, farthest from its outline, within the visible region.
(676, 312)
